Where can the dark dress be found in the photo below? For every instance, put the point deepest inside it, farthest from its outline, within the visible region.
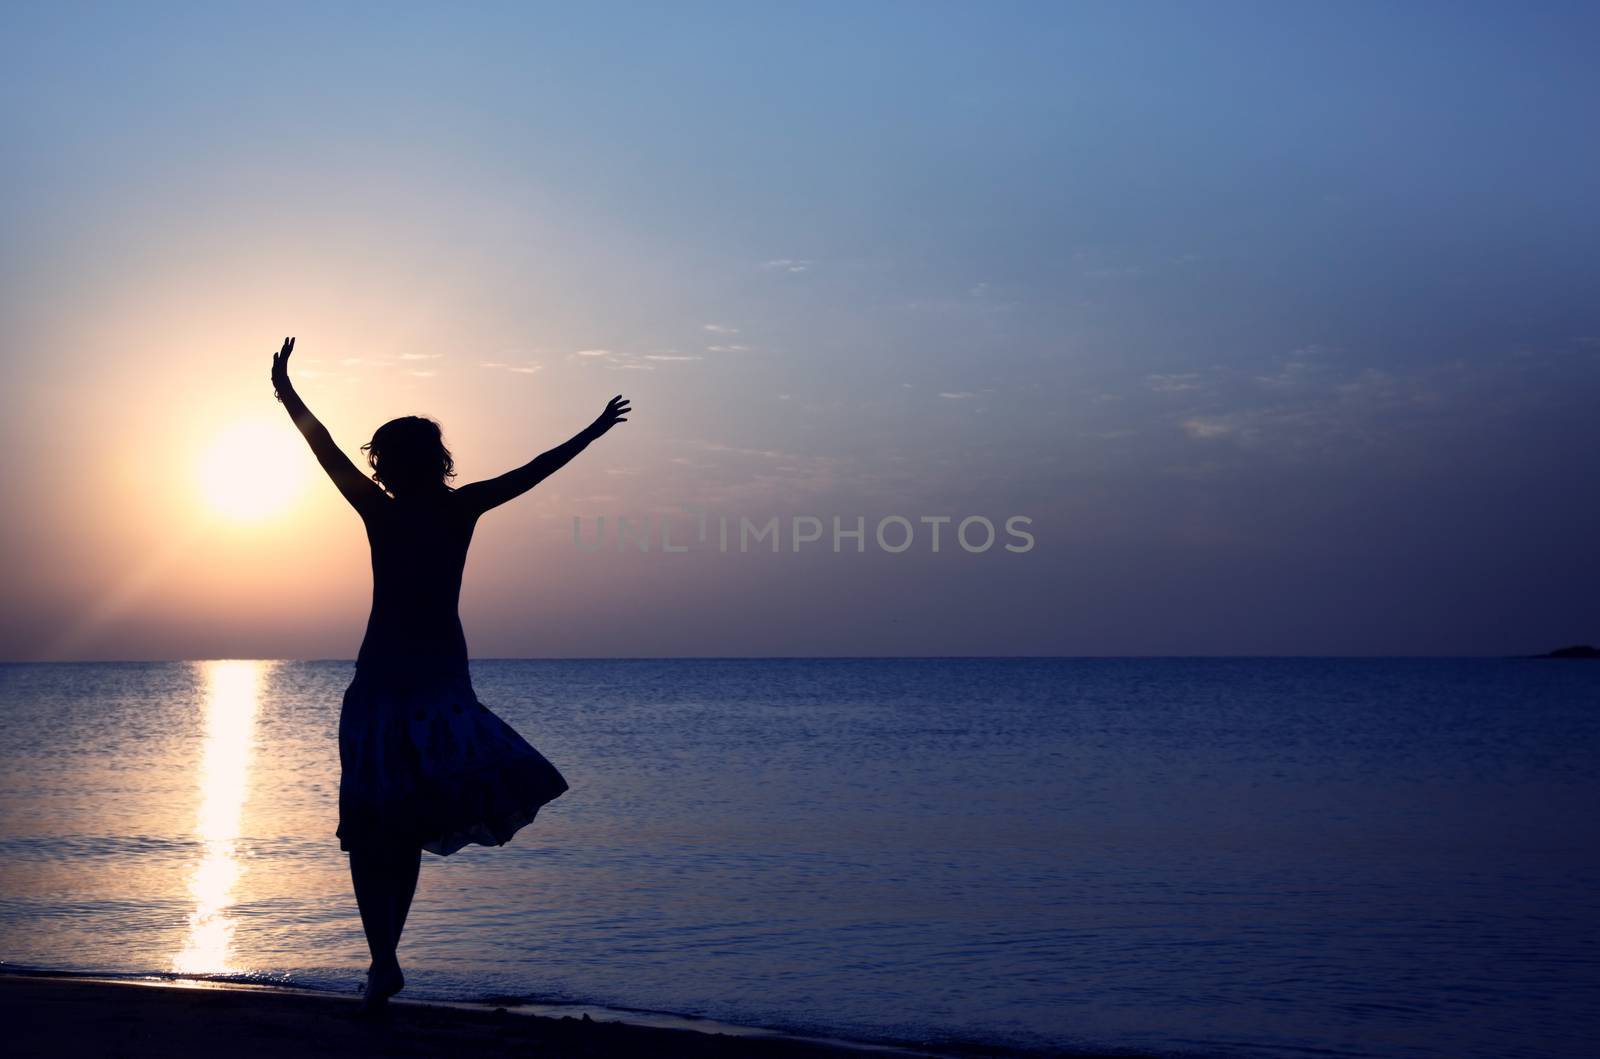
(423, 762)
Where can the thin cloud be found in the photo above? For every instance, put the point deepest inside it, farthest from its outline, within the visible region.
(1174, 383)
(1114, 272)
(976, 302)
(721, 329)
(1208, 428)
(615, 361)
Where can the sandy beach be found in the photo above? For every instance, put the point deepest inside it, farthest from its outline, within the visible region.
(48, 1016)
(67, 1016)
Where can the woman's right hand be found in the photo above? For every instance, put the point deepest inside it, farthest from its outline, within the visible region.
(280, 369)
(616, 410)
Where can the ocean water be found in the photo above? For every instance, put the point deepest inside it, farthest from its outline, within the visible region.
(1213, 857)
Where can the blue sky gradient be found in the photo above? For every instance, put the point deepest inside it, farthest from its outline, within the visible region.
(1279, 320)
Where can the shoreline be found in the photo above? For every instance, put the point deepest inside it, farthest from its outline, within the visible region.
(67, 1014)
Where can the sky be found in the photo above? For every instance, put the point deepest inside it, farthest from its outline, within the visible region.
(1277, 322)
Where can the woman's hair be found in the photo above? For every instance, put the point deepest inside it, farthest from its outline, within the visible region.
(408, 454)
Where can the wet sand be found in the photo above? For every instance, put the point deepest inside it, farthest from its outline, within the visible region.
(47, 1016)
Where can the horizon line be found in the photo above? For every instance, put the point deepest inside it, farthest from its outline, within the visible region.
(817, 658)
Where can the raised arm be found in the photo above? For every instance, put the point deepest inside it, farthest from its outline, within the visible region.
(492, 492)
(362, 492)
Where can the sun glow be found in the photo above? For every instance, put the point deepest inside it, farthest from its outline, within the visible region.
(232, 696)
(250, 471)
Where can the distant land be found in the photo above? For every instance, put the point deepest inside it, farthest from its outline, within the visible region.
(1581, 650)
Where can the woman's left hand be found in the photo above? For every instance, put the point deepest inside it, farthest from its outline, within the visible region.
(280, 368)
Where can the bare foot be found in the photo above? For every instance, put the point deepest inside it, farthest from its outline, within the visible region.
(382, 983)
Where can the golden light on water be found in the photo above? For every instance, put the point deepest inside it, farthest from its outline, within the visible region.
(232, 696)
(250, 471)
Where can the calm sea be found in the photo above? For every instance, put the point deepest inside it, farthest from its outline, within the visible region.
(1218, 857)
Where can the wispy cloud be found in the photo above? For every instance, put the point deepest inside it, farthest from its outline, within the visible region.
(1092, 264)
(787, 264)
(420, 356)
(1174, 383)
(1210, 428)
(721, 329)
(615, 361)
(526, 368)
(978, 301)
(1114, 272)
(1309, 406)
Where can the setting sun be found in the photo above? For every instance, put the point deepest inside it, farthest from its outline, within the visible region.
(248, 472)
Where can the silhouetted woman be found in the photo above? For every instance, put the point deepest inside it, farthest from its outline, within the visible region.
(424, 764)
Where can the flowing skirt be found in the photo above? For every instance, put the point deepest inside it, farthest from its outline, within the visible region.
(425, 764)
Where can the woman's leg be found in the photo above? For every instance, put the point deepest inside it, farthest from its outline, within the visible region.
(407, 865)
(385, 879)
(370, 881)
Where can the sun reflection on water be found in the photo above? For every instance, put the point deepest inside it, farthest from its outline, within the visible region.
(232, 689)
